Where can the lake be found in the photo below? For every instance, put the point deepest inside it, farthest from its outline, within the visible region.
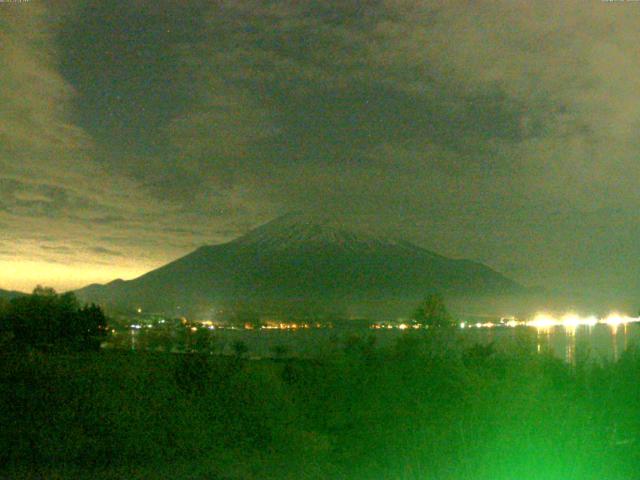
(598, 342)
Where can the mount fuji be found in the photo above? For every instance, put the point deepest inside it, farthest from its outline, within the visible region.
(299, 260)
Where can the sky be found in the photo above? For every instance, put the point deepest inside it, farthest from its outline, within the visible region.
(503, 131)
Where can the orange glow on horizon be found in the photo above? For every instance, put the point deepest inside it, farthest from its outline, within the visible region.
(26, 275)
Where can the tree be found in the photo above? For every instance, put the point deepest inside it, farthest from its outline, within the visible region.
(92, 327)
(279, 351)
(202, 341)
(45, 319)
(240, 348)
(432, 312)
(5, 328)
(4, 307)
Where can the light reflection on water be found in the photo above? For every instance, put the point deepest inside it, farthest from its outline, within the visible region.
(572, 343)
(598, 342)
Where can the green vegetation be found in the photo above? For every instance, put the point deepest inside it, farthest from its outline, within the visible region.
(433, 312)
(47, 321)
(401, 413)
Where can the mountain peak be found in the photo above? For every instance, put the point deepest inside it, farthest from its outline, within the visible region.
(299, 218)
(301, 259)
(296, 229)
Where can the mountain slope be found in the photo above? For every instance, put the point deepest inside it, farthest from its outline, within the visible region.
(297, 259)
(9, 294)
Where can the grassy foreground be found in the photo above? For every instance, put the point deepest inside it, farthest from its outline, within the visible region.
(367, 413)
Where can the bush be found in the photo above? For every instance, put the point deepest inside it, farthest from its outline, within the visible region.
(46, 320)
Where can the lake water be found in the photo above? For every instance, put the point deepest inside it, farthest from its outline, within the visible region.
(598, 342)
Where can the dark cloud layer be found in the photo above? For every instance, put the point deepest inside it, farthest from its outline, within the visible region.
(503, 131)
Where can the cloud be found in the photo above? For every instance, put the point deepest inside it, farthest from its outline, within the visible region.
(51, 178)
(487, 129)
(57, 248)
(472, 116)
(489, 75)
(105, 252)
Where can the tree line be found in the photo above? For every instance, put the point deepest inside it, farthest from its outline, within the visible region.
(47, 320)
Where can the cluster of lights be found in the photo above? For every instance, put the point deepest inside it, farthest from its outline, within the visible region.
(482, 325)
(569, 321)
(572, 320)
(541, 321)
(281, 326)
(391, 326)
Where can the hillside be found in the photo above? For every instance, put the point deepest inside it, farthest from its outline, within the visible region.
(9, 294)
(295, 260)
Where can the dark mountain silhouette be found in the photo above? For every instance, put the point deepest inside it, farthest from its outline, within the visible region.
(296, 259)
